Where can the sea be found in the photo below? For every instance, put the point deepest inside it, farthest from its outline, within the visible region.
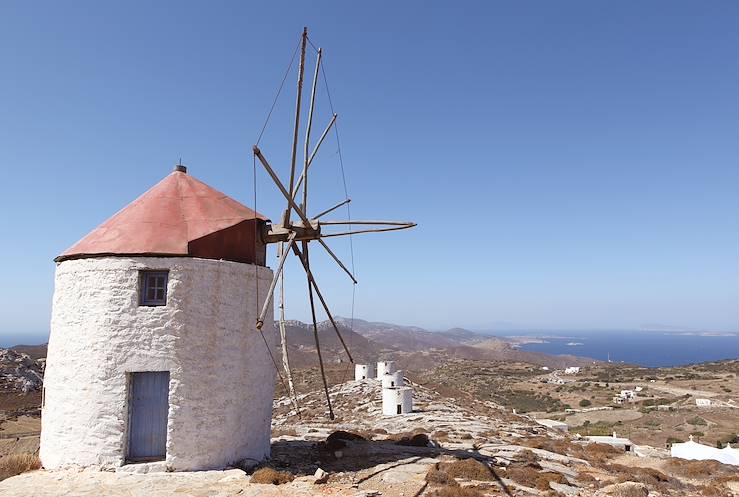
(644, 348)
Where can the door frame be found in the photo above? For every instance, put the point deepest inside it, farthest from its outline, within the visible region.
(129, 412)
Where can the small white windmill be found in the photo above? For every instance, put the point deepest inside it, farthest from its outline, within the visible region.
(289, 233)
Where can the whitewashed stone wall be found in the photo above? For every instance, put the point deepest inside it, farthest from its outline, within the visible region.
(394, 397)
(385, 367)
(221, 378)
(393, 380)
(364, 372)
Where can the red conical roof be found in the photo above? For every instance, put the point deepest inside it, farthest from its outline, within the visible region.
(166, 220)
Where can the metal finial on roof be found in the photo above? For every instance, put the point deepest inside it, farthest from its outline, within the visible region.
(179, 167)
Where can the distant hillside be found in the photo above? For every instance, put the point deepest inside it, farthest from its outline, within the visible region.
(411, 338)
(35, 352)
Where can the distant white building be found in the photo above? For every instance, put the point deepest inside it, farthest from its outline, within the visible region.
(625, 396)
(397, 401)
(696, 451)
(385, 367)
(554, 424)
(614, 441)
(572, 370)
(703, 402)
(638, 389)
(364, 372)
(393, 380)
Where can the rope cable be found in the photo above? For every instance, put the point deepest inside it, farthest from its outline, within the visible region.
(346, 196)
(279, 90)
(346, 190)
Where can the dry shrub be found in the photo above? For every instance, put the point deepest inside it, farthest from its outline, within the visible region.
(562, 447)
(542, 481)
(271, 476)
(456, 491)
(599, 453)
(714, 491)
(417, 440)
(586, 479)
(647, 476)
(440, 436)
(280, 432)
(527, 456)
(337, 440)
(697, 469)
(465, 436)
(523, 475)
(467, 468)
(16, 464)
(437, 477)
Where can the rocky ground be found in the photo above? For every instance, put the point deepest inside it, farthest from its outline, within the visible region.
(19, 372)
(442, 449)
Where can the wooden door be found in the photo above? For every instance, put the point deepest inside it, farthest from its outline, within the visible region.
(149, 407)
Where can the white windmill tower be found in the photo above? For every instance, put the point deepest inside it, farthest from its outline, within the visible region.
(295, 235)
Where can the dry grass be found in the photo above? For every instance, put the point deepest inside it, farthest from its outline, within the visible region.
(280, 432)
(562, 447)
(444, 484)
(440, 436)
(714, 491)
(271, 476)
(647, 476)
(599, 453)
(698, 469)
(16, 464)
(417, 440)
(467, 468)
(529, 476)
(456, 491)
(437, 477)
(527, 456)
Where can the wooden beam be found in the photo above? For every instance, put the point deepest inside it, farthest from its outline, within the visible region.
(283, 337)
(323, 213)
(315, 328)
(283, 256)
(377, 230)
(309, 126)
(306, 266)
(331, 253)
(379, 223)
(315, 149)
(276, 179)
(298, 99)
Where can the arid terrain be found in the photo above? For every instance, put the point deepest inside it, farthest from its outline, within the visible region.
(473, 431)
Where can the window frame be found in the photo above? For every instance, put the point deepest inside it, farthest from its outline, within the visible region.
(144, 285)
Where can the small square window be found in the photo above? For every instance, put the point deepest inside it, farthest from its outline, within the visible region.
(153, 287)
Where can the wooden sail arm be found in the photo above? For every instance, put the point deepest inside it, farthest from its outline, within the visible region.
(379, 223)
(323, 213)
(280, 267)
(306, 266)
(315, 328)
(313, 155)
(280, 186)
(308, 129)
(301, 70)
(393, 226)
(338, 261)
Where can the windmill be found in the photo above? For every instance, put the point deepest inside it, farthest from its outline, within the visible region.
(294, 235)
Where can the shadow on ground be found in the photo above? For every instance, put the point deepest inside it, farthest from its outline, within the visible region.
(365, 459)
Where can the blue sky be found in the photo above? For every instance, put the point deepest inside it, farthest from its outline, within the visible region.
(570, 164)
